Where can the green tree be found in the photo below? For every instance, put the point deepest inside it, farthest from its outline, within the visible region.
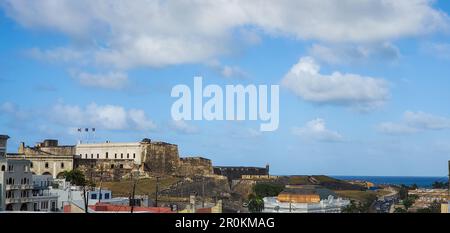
(439, 185)
(255, 204)
(76, 177)
(403, 192)
(435, 207)
(408, 202)
(267, 189)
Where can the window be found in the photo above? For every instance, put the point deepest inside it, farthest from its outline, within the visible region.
(121, 156)
(3, 168)
(121, 165)
(10, 168)
(62, 165)
(86, 156)
(134, 155)
(112, 166)
(106, 195)
(31, 164)
(94, 196)
(97, 156)
(106, 154)
(44, 205)
(46, 165)
(115, 156)
(92, 156)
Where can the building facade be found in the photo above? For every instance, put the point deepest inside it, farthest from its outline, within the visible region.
(16, 185)
(47, 157)
(111, 151)
(305, 199)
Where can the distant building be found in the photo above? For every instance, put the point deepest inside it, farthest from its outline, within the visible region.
(234, 173)
(111, 151)
(426, 197)
(47, 157)
(3, 144)
(444, 208)
(305, 199)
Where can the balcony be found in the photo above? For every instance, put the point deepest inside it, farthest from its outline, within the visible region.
(44, 197)
(26, 186)
(12, 186)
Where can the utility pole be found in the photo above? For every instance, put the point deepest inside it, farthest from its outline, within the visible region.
(85, 200)
(203, 192)
(100, 187)
(132, 200)
(157, 190)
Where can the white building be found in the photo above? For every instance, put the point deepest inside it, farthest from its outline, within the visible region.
(110, 150)
(330, 205)
(74, 194)
(305, 199)
(17, 190)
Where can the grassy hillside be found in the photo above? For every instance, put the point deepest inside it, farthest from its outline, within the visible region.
(144, 186)
(322, 180)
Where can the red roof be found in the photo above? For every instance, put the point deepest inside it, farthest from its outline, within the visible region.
(104, 207)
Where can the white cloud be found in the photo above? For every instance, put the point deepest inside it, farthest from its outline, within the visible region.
(111, 80)
(437, 49)
(108, 117)
(140, 120)
(395, 128)
(413, 122)
(424, 120)
(316, 130)
(158, 33)
(9, 108)
(351, 53)
(183, 127)
(227, 71)
(305, 80)
(60, 54)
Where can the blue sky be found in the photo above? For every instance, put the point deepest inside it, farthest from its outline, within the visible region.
(363, 84)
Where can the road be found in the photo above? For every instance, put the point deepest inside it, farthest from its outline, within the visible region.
(384, 203)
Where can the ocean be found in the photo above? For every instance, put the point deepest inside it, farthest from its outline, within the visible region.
(421, 181)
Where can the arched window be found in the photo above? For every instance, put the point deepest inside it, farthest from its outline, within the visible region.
(106, 154)
(3, 168)
(46, 165)
(128, 156)
(97, 156)
(112, 166)
(31, 164)
(62, 165)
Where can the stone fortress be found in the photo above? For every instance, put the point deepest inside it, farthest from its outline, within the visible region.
(116, 160)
